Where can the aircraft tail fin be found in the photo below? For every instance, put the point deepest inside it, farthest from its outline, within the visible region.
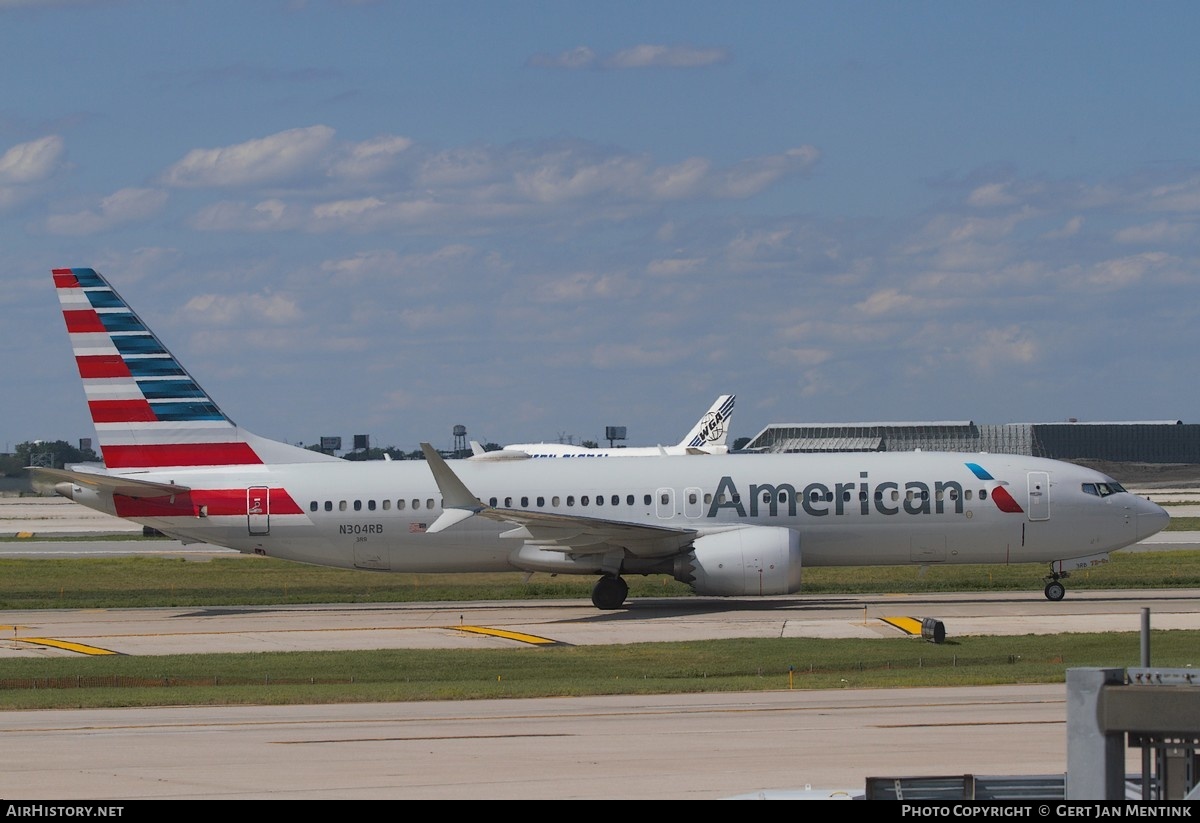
(712, 429)
(147, 410)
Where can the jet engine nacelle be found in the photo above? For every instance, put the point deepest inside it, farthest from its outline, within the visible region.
(756, 560)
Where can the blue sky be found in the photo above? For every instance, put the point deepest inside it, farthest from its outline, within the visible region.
(538, 219)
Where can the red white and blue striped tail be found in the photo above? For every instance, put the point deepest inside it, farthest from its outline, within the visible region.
(147, 410)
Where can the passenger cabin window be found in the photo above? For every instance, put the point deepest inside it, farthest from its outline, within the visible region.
(312, 507)
(328, 505)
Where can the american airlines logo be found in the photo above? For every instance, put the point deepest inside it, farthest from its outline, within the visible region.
(861, 497)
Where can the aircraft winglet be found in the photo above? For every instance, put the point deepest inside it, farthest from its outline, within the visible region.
(457, 501)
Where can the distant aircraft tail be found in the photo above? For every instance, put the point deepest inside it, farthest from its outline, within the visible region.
(147, 410)
(712, 429)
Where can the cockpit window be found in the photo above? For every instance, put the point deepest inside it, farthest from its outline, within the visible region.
(1103, 489)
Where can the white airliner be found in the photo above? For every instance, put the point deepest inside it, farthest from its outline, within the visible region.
(708, 436)
(730, 525)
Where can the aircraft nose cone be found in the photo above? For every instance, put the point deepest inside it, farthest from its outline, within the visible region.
(1151, 519)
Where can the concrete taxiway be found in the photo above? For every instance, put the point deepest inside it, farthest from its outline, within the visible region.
(629, 747)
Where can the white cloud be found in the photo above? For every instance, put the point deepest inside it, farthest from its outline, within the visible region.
(887, 301)
(124, 206)
(456, 167)
(1183, 196)
(750, 177)
(1124, 272)
(265, 160)
(231, 309)
(799, 357)
(1161, 231)
(1071, 228)
(657, 56)
(991, 194)
(431, 269)
(347, 209)
(564, 176)
(673, 267)
(369, 158)
(642, 56)
(29, 162)
(25, 165)
(1001, 348)
(267, 215)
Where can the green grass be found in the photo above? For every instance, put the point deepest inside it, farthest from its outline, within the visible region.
(644, 668)
(1183, 524)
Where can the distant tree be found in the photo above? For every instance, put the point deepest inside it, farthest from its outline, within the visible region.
(367, 454)
(741, 442)
(11, 466)
(53, 454)
(590, 444)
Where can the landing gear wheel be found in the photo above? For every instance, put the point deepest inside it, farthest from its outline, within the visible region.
(609, 592)
(1055, 591)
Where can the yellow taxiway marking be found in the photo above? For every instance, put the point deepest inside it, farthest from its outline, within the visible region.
(523, 638)
(908, 625)
(63, 644)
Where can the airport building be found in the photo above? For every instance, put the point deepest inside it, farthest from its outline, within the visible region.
(1164, 441)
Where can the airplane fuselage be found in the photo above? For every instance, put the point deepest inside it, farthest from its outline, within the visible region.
(863, 509)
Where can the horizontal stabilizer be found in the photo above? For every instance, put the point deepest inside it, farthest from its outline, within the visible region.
(113, 483)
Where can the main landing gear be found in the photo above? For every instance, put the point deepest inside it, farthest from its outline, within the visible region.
(1055, 591)
(609, 592)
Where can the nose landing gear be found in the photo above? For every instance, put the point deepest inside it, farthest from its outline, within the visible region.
(1055, 590)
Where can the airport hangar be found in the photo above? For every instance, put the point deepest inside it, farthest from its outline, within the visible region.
(1165, 441)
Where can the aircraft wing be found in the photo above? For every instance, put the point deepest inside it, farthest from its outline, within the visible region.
(563, 532)
(571, 533)
(114, 483)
